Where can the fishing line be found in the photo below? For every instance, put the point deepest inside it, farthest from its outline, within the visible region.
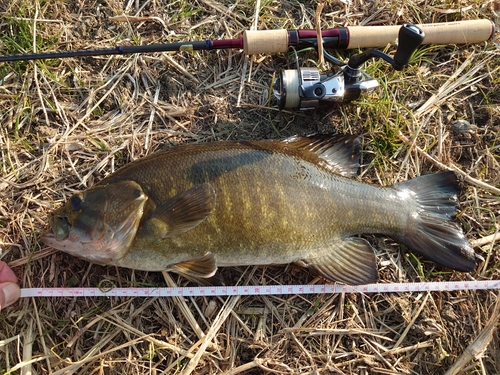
(259, 290)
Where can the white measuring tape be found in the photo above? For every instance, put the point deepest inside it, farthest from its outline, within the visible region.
(261, 290)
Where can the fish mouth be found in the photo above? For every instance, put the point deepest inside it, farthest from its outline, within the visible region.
(58, 230)
(48, 234)
(59, 227)
(48, 238)
(58, 236)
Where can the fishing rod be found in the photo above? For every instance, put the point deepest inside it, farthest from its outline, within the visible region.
(275, 41)
(305, 87)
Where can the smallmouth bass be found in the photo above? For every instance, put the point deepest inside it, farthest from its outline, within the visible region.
(195, 207)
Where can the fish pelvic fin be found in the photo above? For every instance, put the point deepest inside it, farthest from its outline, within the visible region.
(181, 213)
(339, 153)
(350, 261)
(433, 232)
(203, 267)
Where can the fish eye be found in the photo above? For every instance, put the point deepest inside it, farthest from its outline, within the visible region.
(75, 202)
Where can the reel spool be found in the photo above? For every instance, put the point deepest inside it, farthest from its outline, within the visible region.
(304, 88)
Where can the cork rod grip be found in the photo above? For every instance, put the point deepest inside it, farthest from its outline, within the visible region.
(265, 41)
(460, 32)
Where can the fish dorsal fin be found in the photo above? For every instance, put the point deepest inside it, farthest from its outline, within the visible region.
(182, 212)
(340, 153)
(351, 261)
(203, 267)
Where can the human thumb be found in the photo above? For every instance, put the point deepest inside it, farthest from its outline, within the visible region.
(9, 293)
(9, 290)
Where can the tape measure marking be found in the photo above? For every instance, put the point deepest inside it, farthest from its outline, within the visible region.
(261, 290)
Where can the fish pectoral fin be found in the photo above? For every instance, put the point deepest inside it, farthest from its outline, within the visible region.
(182, 212)
(203, 267)
(351, 261)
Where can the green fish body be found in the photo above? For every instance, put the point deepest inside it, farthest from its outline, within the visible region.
(195, 207)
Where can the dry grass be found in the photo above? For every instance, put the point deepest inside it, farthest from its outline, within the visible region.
(68, 123)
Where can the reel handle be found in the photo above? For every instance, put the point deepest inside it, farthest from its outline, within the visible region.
(410, 37)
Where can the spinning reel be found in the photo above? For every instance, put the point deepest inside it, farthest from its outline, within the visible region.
(305, 87)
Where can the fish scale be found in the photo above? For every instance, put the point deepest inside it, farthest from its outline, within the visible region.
(263, 202)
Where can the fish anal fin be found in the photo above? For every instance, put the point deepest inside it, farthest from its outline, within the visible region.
(203, 267)
(340, 153)
(351, 261)
(182, 212)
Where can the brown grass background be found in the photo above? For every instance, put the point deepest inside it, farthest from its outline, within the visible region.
(65, 124)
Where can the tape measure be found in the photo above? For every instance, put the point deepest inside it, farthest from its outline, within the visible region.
(247, 290)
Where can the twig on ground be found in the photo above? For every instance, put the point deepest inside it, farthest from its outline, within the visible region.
(478, 346)
(465, 176)
(214, 329)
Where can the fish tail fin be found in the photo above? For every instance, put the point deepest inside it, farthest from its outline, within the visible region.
(433, 232)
